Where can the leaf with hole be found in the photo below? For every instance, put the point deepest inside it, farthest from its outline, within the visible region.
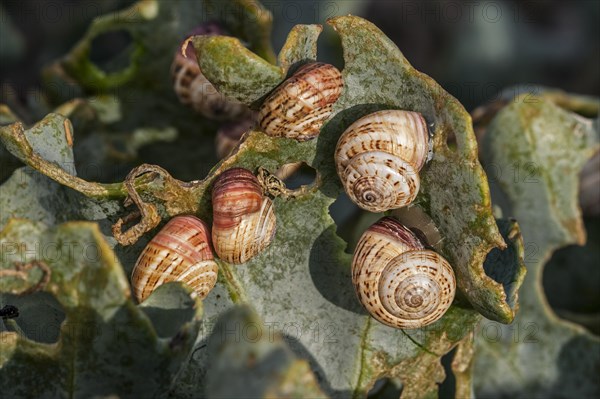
(96, 342)
(318, 315)
(536, 147)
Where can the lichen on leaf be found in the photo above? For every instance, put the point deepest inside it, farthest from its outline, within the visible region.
(106, 342)
(301, 286)
(535, 148)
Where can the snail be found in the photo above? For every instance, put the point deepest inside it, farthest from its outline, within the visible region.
(243, 218)
(194, 90)
(400, 282)
(379, 156)
(230, 134)
(299, 106)
(181, 251)
(589, 179)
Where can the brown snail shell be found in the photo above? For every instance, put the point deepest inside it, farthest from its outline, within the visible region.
(230, 134)
(299, 106)
(181, 251)
(243, 218)
(194, 90)
(589, 181)
(379, 156)
(398, 281)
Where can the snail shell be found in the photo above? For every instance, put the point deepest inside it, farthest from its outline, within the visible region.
(397, 280)
(379, 156)
(181, 251)
(230, 134)
(194, 90)
(243, 218)
(299, 106)
(589, 180)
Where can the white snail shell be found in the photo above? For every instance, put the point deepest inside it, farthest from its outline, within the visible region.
(194, 90)
(379, 156)
(299, 106)
(398, 281)
(181, 251)
(243, 218)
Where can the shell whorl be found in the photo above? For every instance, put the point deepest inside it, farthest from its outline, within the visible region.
(397, 280)
(181, 251)
(194, 90)
(236, 192)
(378, 181)
(379, 156)
(299, 106)
(243, 218)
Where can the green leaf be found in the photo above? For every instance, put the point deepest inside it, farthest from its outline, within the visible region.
(239, 73)
(233, 69)
(301, 45)
(29, 194)
(151, 25)
(465, 217)
(247, 19)
(248, 359)
(301, 284)
(105, 342)
(307, 251)
(535, 151)
(454, 189)
(144, 88)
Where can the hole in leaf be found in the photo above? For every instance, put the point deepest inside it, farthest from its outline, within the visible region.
(112, 51)
(330, 48)
(40, 316)
(169, 307)
(185, 158)
(571, 280)
(351, 221)
(447, 388)
(451, 142)
(503, 265)
(385, 388)
(296, 175)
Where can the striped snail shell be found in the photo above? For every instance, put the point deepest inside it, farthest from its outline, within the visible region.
(181, 251)
(299, 106)
(398, 281)
(379, 156)
(243, 218)
(194, 90)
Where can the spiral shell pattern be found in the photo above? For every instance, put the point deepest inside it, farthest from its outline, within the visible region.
(379, 156)
(398, 281)
(181, 251)
(243, 218)
(299, 106)
(194, 90)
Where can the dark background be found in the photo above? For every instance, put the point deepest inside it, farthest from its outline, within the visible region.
(474, 49)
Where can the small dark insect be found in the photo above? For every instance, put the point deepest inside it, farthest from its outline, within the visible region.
(9, 312)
